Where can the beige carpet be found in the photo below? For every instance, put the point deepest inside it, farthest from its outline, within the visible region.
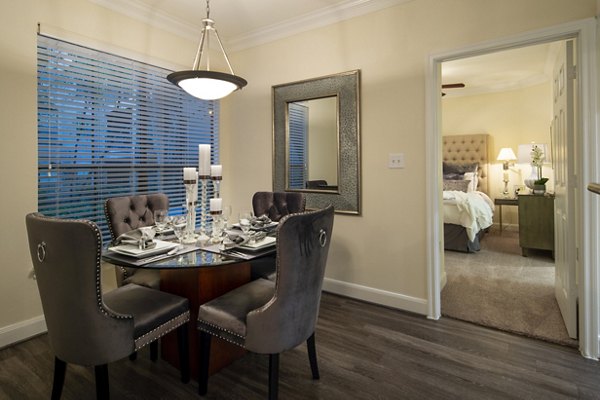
(499, 288)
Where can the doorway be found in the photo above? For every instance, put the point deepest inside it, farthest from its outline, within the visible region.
(587, 265)
(506, 95)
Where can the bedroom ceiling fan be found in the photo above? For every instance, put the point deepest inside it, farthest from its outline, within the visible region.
(452, 86)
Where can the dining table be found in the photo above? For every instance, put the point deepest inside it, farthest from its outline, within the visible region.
(199, 273)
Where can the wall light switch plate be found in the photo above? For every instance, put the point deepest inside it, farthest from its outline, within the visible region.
(396, 160)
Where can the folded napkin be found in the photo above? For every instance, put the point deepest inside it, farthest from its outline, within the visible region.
(141, 237)
(235, 238)
(260, 222)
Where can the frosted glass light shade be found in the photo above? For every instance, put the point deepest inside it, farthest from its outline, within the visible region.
(207, 85)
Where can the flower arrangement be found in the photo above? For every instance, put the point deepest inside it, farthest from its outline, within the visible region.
(537, 159)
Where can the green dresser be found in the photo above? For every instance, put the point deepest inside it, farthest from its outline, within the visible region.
(536, 222)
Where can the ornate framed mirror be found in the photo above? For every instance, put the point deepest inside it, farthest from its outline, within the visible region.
(316, 140)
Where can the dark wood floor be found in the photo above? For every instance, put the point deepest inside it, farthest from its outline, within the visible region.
(365, 352)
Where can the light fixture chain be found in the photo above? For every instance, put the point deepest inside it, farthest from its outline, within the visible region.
(207, 9)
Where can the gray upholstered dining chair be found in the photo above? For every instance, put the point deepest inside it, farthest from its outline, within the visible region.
(275, 205)
(86, 327)
(270, 317)
(127, 213)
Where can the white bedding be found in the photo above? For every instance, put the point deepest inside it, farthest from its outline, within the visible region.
(473, 210)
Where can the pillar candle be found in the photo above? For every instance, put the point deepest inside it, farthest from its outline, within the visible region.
(204, 159)
(216, 204)
(216, 170)
(189, 174)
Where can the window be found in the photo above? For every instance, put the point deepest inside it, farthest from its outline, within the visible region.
(111, 126)
(298, 120)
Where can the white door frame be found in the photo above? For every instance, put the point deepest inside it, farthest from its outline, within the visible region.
(588, 164)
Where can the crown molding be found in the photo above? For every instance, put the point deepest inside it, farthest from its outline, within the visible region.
(329, 15)
(142, 12)
(303, 23)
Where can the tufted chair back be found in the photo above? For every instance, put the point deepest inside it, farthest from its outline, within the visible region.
(270, 317)
(127, 213)
(66, 260)
(302, 247)
(85, 326)
(276, 205)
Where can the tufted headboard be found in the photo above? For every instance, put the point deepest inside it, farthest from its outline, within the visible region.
(466, 149)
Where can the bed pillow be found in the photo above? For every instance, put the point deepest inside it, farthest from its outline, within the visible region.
(471, 176)
(455, 168)
(450, 168)
(457, 185)
(453, 176)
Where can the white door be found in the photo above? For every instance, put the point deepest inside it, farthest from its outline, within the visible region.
(563, 146)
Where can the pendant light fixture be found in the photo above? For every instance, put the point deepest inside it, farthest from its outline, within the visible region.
(206, 84)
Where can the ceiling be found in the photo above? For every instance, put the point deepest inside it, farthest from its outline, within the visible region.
(246, 23)
(500, 71)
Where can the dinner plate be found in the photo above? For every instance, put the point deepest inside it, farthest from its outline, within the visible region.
(262, 244)
(133, 251)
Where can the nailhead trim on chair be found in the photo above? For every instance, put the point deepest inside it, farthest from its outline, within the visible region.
(101, 307)
(268, 304)
(112, 235)
(221, 329)
(161, 330)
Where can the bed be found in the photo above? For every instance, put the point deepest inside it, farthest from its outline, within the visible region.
(468, 210)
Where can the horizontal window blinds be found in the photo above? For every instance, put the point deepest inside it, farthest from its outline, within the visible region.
(298, 122)
(111, 126)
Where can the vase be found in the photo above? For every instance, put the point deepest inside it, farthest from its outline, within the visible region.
(530, 182)
(539, 189)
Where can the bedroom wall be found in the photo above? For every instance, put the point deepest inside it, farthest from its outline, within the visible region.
(380, 255)
(511, 118)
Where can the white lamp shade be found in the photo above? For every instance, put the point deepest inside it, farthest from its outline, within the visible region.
(506, 154)
(525, 152)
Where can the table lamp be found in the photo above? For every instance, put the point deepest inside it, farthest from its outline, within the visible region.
(506, 155)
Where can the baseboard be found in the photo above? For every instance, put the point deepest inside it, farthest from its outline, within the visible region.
(21, 331)
(377, 296)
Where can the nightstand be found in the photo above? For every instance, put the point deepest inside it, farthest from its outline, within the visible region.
(536, 222)
(505, 201)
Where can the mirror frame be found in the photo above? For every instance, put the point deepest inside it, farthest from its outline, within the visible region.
(346, 86)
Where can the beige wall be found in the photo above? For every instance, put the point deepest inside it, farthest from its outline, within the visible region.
(383, 250)
(78, 20)
(510, 118)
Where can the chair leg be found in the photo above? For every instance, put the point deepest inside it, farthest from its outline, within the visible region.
(60, 367)
(184, 355)
(154, 350)
(204, 356)
(102, 391)
(312, 356)
(273, 376)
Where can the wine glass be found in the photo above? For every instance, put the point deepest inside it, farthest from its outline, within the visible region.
(179, 224)
(246, 221)
(161, 219)
(225, 215)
